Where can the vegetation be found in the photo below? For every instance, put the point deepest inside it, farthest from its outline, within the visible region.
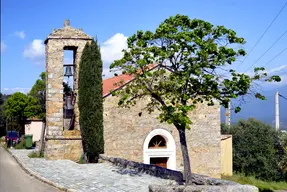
(3, 98)
(38, 92)
(21, 144)
(190, 54)
(91, 101)
(21, 106)
(264, 186)
(258, 150)
(35, 154)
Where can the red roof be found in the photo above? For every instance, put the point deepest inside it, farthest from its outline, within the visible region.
(108, 84)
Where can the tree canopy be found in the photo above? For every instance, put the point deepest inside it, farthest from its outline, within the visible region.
(190, 55)
(38, 92)
(258, 150)
(21, 106)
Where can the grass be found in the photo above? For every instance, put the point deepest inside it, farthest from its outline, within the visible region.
(263, 186)
(35, 154)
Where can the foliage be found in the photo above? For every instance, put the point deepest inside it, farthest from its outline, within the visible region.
(38, 92)
(189, 55)
(283, 155)
(21, 106)
(255, 150)
(91, 101)
(2, 116)
(20, 145)
(224, 128)
(2, 139)
(35, 154)
(262, 185)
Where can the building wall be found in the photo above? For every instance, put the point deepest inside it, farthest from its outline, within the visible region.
(125, 132)
(226, 155)
(34, 128)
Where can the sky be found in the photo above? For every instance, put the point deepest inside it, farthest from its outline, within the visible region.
(26, 24)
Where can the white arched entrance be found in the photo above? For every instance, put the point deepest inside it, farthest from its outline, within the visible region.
(159, 148)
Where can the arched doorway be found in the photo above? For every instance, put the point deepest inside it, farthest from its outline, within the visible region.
(159, 149)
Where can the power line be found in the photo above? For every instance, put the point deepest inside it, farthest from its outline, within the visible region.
(266, 51)
(265, 32)
(282, 96)
(275, 57)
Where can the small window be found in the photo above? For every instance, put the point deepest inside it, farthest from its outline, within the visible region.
(157, 142)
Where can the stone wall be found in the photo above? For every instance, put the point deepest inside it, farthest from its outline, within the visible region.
(61, 144)
(125, 132)
(204, 188)
(68, 146)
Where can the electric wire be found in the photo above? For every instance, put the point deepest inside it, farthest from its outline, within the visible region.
(266, 51)
(264, 32)
(275, 57)
(282, 96)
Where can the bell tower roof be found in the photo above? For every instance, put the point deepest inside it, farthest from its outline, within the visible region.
(68, 32)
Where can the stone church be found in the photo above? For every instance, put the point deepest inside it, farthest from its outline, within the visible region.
(127, 135)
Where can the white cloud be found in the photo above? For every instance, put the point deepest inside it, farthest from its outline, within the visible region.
(35, 51)
(112, 50)
(3, 46)
(278, 69)
(20, 34)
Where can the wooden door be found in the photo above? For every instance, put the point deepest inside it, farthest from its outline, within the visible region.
(159, 161)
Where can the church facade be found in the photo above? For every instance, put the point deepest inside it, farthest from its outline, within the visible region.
(132, 134)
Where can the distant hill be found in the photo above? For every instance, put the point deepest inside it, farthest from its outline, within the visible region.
(263, 110)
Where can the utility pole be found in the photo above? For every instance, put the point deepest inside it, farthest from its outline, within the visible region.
(277, 122)
(227, 115)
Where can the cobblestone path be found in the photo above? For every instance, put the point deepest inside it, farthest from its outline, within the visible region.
(102, 177)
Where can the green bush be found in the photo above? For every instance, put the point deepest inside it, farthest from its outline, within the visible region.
(2, 139)
(35, 154)
(20, 145)
(257, 150)
(91, 101)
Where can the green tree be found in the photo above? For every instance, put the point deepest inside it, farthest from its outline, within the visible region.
(190, 55)
(91, 101)
(21, 106)
(38, 92)
(254, 152)
(2, 117)
(283, 154)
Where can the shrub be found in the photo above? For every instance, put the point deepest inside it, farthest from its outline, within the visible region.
(254, 149)
(20, 145)
(35, 154)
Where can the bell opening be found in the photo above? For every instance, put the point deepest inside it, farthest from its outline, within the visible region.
(68, 89)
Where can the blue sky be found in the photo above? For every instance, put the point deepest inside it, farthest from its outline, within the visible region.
(25, 24)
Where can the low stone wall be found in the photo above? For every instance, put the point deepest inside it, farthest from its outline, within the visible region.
(203, 188)
(145, 168)
(157, 171)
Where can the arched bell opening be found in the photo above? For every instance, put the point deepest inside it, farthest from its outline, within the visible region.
(69, 96)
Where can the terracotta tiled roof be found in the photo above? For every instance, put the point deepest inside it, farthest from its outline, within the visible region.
(108, 84)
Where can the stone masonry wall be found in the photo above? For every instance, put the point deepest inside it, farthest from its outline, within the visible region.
(125, 132)
(62, 144)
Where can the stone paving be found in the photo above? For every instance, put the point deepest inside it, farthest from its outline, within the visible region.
(102, 177)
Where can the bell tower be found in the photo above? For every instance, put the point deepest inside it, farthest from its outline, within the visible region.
(63, 140)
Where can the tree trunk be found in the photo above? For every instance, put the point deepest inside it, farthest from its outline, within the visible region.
(185, 156)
